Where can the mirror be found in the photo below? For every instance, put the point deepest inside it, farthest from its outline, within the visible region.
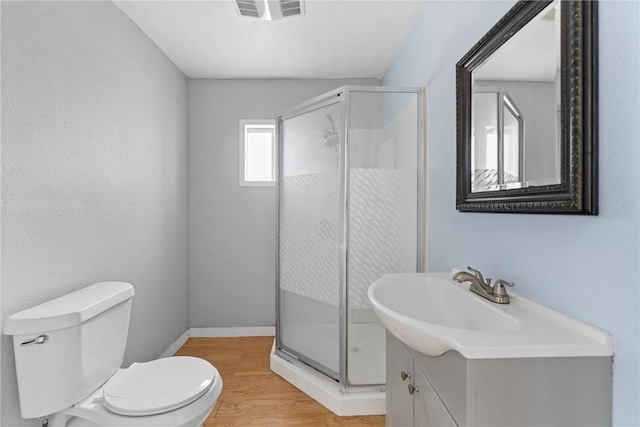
(527, 112)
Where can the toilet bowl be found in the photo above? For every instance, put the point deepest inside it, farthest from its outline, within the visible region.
(68, 352)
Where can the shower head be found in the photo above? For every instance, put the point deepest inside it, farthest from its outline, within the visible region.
(331, 137)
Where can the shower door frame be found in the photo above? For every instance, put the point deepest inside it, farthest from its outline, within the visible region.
(341, 95)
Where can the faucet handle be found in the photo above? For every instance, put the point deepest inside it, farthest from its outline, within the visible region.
(504, 282)
(498, 287)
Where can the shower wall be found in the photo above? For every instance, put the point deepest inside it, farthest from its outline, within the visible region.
(382, 190)
(382, 217)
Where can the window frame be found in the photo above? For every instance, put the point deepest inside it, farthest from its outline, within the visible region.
(243, 126)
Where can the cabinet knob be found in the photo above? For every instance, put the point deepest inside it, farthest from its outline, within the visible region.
(404, 375)
(413, 389)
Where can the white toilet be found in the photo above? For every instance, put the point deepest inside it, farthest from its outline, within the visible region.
(68, 354)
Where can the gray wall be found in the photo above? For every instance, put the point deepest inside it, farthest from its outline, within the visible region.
(232, 228)
(585, 266)
(94, 181)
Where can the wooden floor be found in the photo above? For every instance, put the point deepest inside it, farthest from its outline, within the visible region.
(252, 395)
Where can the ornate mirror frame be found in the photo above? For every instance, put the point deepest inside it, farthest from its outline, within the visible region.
(578, 191)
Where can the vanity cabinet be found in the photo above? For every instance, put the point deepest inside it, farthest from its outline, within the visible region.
(449, 390)
(399, 402)
(428, 409)
(410, 398)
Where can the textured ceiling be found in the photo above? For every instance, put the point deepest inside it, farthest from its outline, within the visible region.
(333, 39)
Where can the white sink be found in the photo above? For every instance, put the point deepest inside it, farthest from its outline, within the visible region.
(434, 314)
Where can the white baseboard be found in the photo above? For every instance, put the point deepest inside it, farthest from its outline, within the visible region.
(249, 331)
(173, 348)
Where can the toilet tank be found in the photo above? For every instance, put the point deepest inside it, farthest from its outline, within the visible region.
(68, 347)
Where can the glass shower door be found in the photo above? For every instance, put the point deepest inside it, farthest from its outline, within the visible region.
(309, 236)
(382, 226)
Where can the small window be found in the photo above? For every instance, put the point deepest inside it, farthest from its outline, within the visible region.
(257, 153)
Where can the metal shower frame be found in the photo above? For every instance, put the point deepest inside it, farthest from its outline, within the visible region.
(341, 95)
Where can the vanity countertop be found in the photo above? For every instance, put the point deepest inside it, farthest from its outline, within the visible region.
(434, 314)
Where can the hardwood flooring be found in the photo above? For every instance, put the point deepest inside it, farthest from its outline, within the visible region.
(252, 395)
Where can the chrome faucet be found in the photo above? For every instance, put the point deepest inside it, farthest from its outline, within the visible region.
(481, 286)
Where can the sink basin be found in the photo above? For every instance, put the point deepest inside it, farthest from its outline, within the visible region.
(434, 314)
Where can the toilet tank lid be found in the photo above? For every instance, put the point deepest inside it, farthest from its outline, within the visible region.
(69, 310)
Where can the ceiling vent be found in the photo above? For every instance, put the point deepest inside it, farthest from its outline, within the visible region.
(270, 10)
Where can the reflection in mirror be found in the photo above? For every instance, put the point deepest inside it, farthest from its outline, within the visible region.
(497, 140)
(515, 140)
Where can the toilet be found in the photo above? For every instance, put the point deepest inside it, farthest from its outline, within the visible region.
(68, 355)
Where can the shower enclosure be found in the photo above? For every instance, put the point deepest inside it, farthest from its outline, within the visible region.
(350, 209)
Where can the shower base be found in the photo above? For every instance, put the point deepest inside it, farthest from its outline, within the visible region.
(327, 392)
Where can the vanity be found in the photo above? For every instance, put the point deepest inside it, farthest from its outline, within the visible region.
(457, 359)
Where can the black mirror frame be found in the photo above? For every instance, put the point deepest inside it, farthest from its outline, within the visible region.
(578, 191)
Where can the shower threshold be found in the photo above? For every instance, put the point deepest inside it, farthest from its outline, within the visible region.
(327, 392)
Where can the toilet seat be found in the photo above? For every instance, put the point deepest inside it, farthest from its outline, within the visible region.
(158, 386)
(92, 411)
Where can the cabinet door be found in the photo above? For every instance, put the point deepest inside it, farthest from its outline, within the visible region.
(429, 409)
(399, 401)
